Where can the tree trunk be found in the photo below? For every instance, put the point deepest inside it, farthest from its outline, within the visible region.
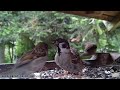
(9, 53)
(2, 53)
(12, 54)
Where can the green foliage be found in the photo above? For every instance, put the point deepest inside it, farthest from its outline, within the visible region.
(7, 57)
(24, 44)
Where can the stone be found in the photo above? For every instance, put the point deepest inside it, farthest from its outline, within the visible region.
(115, 75)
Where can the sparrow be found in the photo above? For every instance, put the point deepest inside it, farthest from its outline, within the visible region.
(40, 50)
(31, 62)
(90, 51)
(97, 59)
(68, 58)
(90, 48)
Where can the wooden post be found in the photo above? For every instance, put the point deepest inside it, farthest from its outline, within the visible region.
(115, 22)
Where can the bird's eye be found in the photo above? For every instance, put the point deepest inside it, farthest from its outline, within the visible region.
(64, 45)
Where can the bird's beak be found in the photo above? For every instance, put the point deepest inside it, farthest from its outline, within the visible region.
(55, 42)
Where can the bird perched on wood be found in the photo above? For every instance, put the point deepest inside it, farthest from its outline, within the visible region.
(90, 51)
(90, 48)
(40, 50)
(96, 59)
(67, 58)
(31, 61)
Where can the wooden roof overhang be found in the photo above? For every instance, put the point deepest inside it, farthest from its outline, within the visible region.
(112, 16)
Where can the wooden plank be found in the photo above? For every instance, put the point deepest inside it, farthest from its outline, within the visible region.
(112, 16)
(91, 14)
(115, 26)
(115, 22)
(111, 13)
(48, 66)
(108, 25)
(115, 55)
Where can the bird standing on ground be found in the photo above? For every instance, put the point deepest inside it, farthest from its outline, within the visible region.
(31, 61)
(67, 58)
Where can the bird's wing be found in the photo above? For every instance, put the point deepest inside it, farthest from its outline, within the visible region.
(24, 56)
(22, 63)
(75, 56)
(33, 58)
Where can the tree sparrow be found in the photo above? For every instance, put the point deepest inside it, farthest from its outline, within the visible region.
(30, 62)
(97, 59)
(90, 50)
(67, 58)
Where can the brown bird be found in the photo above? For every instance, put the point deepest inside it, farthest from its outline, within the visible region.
(68, 58)
(40, 50)
(90, 52)
(31, 61)
(96, 59)
(90, 48)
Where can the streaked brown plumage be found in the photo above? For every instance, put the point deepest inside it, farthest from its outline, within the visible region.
(89, 51)
(39, 50)
(68, 58)
(97, 59)
(90, 48)
(30, 62)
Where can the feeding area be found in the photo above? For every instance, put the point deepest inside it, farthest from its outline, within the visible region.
(59, 45)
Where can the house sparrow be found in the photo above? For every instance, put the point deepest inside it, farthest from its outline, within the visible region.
(90, 50)
(30, 62)
(67, 58)
(97, 59)
(40, 50)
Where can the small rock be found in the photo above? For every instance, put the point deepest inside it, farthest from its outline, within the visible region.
(84, 70)
(112, 71)
(115, 68)
(115, 74)
(107, 72)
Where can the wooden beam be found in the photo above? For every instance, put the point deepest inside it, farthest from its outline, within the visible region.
(115, 26)
(115, 22)
(108, 25)
(92, 14)
(113, 17)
